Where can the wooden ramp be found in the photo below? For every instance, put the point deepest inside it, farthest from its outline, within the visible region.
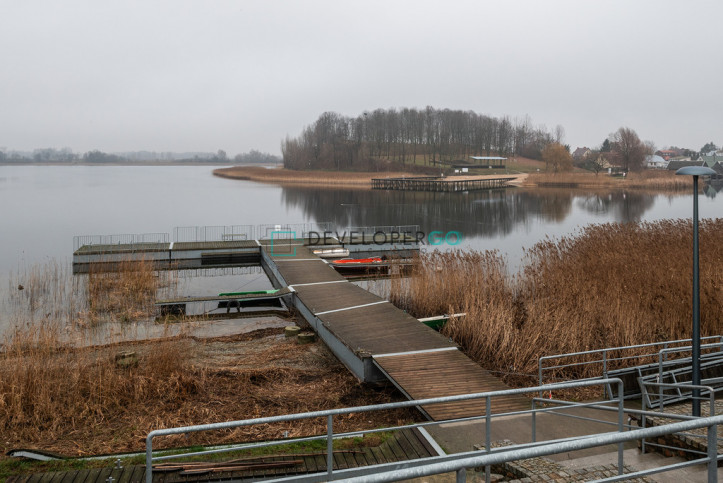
(378, 341)
(446, 373)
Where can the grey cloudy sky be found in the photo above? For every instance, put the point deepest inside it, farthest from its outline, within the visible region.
(183, 75)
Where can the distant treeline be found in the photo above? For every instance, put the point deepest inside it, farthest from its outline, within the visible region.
(66, 155)
(411, 136)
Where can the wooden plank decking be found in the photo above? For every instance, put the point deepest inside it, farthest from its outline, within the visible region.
(418, 360)
(404, 445)
(447, 373)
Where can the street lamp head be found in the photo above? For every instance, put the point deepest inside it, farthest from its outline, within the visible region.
(695, 171)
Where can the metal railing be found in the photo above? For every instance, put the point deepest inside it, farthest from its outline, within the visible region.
(371, 230)
(605, 357)
(648, 401)
(330, 435)
(213, 233)
(437, 466)
(129, 239)
(292, 230)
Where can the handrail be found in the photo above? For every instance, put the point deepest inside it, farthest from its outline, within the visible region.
(458, 465)
(605, 360)
(329, 414)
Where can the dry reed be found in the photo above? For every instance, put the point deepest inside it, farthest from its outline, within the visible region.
(644, 180)
(128, 292)
(610, 285)
(59, 392)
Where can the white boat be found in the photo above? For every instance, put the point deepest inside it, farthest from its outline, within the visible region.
(331, 252)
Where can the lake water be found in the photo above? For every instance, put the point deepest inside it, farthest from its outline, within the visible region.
(44, 207)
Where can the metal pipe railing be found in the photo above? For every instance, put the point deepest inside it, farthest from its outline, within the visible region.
(661, 385)
(329, 414)
(460, 464)
(605, 358)
(663, 355)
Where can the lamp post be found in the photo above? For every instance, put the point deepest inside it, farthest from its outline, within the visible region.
(696, 171)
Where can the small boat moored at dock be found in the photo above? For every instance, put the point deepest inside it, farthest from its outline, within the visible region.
(439, 321)
(331, 252)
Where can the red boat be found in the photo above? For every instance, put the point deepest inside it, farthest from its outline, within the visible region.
(350, 262)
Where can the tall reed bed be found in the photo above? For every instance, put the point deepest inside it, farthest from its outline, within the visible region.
(129, 291)
(644, 180)
(609, 285)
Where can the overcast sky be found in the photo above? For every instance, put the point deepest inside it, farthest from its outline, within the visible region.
(183, 75)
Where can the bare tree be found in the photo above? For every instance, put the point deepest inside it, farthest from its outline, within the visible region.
(629, 148)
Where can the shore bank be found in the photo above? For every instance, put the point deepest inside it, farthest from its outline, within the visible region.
(316, 178)
(330, 178)
(645, 180)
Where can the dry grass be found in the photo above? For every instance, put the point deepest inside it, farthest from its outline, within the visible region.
(648, 179)
(129, 292)
(610, 285)
(316, 178)
(80, 401)
(61, 393)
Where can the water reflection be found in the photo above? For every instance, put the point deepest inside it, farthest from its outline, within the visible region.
(624, 206)
(489, 213)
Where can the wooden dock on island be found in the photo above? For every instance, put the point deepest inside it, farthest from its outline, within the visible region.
(443, 184)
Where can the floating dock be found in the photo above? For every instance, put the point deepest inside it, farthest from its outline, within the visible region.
(374, 339)
(379, 342)
(444, 184)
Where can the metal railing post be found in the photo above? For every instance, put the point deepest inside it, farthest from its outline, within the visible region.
(605, 369)
(620, 427)
(534, 422)
(329, 445)
(461, 475)
(660, 379)
(488, 435)
(539, 373)
(644, 390)
(712, 453)
(149, 459)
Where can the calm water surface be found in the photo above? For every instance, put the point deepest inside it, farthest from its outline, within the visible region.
(44, 207)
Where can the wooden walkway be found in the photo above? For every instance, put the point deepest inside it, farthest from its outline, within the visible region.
(431, 183)
(378, 341)
(404, 445)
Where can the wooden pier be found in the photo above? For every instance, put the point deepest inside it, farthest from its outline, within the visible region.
(378, 342)
(374, 339)
(434, 183)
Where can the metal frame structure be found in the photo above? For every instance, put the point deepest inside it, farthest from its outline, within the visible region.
(329, 415)
(119, 239)
(696, 391)
(460, 461)
(605, 359)
(213, 233)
